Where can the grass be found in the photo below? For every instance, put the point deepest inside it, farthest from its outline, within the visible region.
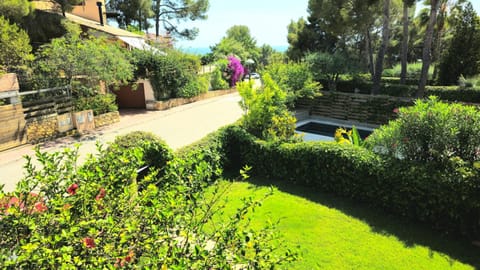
(335, 233)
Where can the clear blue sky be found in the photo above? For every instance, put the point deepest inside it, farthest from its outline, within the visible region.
(266, 19)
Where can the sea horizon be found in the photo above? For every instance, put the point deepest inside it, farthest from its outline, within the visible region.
(206, 50)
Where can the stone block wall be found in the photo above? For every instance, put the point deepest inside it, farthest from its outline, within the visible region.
(106, 119)
(42, 128)
(174, 102)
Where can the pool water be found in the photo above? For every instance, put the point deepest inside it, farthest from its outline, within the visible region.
(318, 131)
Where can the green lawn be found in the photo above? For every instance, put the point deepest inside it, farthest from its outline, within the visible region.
(335, 233)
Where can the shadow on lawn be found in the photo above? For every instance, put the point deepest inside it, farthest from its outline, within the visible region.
(411, 233)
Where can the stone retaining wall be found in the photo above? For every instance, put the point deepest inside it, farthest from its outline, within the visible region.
(174, 102)
(107, 119)
(46, 127)
(42, 128)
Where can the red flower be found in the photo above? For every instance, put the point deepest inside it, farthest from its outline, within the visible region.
(72, 189)
(89, 242)
(40, 207)
(396, 110)
(129, 257)
(101, 194)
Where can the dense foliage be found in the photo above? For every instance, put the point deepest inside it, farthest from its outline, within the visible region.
(433, 132)
(97, 216)
(172, 75)
(446, 199)
(100, 103)
(84, 59)
(296, 79)
(217, 81)
(330, 66)
(169, 14)
(462, 57)
(14, 10)
(16, 50)
(266, 113)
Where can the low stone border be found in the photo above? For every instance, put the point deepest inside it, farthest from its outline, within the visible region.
(174, 102)
(107, 119)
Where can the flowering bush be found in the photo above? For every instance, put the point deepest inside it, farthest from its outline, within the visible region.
(95, 217)
(235, 69)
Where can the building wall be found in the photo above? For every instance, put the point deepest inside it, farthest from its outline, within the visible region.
(89, 10)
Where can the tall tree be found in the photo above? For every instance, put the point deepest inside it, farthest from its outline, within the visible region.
(130, 11)
(463, 54)
(427, 47)
(238, 41)
(383, 48)
(169, 11)
(305, 36)
(404, 53)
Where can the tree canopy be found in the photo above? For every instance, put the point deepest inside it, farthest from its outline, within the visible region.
(15, 49)
(93, 59)
(164, 13)
(462, 57)
(15, 10)
(237, 41)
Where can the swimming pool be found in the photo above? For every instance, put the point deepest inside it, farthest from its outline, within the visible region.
(323, 130)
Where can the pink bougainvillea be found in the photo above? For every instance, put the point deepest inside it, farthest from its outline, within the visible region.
(236, 70)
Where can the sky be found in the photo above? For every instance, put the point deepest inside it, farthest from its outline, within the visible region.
(266, 19)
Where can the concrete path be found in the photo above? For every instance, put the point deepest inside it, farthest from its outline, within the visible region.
(178, 126)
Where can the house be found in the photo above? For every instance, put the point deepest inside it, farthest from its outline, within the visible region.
(92, 15)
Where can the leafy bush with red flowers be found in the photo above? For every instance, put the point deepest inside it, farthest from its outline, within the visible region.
(95, 216)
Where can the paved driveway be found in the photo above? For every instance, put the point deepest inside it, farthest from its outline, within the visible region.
(178, 126)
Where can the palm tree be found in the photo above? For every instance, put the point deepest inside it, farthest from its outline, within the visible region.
(403, 74)
(383, 48)
(427, 47)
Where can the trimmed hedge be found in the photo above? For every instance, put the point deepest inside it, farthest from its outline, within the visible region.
(391, 87)
(446, 201)
(454, 93)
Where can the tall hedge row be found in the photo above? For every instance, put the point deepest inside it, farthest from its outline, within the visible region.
(390, 88)
(410, 189)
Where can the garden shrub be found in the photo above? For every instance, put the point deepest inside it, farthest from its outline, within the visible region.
(195, 87)
(217, 80)
(266, 114)
(155, 151)
(454, 93)
(169, 73)
(390, 87)
(431, 131)
(100, 103)
(296, 79)
(446, 198)
(84, 219)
